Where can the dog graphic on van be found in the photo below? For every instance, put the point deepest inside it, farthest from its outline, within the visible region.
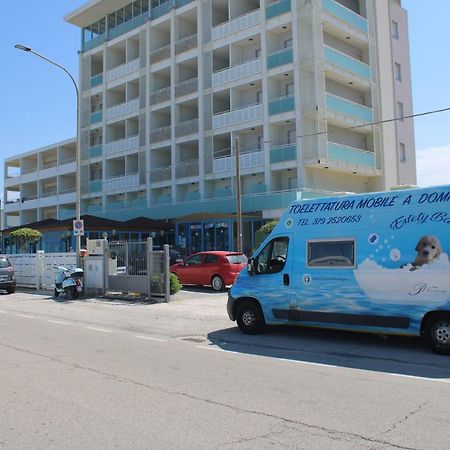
(428, 250)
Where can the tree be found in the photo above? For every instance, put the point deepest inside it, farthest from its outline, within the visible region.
(24, 238)
(264, 231)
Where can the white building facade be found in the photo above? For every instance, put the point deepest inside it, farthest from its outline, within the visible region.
(167, 87)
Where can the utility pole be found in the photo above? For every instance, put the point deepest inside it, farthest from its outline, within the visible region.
(238, 197)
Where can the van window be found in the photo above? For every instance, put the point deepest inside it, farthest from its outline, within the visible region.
(4, 263)
(273, 256)
(331, 253)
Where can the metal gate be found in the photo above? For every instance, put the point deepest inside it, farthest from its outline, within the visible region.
(136, 267)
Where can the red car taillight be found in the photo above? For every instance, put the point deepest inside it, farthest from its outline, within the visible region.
(78, 282)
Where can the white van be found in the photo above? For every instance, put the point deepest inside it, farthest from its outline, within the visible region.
(374, 262)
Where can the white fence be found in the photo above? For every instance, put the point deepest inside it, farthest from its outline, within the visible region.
(37, 270)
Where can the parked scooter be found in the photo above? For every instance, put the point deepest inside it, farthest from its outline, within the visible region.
(69, 282)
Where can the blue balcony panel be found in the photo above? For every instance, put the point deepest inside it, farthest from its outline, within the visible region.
(345, 14)
(281, 105)
(96, 80)
(96, 151)
(95, 185)
(96, 117)
(278, 8)
(283, 153)
(343, 61)
(280, 58)
(340, 105)
(350, 155)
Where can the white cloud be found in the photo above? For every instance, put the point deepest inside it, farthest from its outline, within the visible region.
(433, 166)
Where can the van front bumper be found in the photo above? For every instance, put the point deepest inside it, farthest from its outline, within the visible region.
(230, 307)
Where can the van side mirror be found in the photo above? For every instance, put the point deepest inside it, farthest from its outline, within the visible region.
(251, 266)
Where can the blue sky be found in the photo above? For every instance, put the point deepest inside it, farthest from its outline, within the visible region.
(38, 99)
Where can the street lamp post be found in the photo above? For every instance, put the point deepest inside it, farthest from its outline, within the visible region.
(78, 156)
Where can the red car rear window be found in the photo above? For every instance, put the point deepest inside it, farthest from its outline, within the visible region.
(237, 259)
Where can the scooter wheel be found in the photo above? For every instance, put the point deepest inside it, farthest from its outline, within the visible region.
(56, 294)
(73, 292)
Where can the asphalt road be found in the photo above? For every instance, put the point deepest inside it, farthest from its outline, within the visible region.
(99, 374)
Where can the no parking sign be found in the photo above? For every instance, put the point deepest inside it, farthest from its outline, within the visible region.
(78, 228)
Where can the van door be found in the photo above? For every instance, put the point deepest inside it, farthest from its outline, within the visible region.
(271, 283)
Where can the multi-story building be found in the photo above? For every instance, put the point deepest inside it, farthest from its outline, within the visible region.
(167, 87)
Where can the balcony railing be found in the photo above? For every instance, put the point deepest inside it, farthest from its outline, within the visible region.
(348, 108)
(235, 25)
(96, 151)
(95, 185)
(238, 115)
(160, 134)
(122, 145)
(247, 160)
(185, 44)
(281, 105)
(159, 96)
(186, 87)
(96, 80)
(122, 182)
(159, 54)
(161, 174)
(343, 61)
(280, 57)
(122, 70)
(129, 107)
(281, 153)
(127, 26)
(237, 72)
(187, 169)
(96, 117)
(277, 8)
(344, 14)
(186, 128)
(350, 155)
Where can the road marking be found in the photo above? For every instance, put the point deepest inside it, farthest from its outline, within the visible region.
(148, 338)
(26, 316)
(99, 329)
(59, 322)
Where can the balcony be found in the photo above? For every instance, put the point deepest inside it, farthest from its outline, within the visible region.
(347, 108)
(186, 87)
(186, 128)
(345, 15)
(96, 117)
(122, 145)
(127, 26)
(122, 182)
(66, 213)
(138, 202)
(161, 174)
(160, 54)
(280, 57)
(187, 169)
(281, 105)
(185, 44)
(96, 151)
(347, 63)
(238, 115)
(89, 45)
(282, 153)
(160, 96)
(122, 70)
(94, 208)
(247, 160)
(277, 8)
(160, 134)
(96, 80)
(131, 107)
(95, 185)
(351, 155)
(237, 72)
(161, 9)
(235, 25)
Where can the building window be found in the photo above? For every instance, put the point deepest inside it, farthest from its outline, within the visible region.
(400, 111)
(398, 71)
(395, 30)
(287, 43)
(331, 253)
(402, 152)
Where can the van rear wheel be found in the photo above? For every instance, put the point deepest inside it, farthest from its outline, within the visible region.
(437, 334)
(250, 318)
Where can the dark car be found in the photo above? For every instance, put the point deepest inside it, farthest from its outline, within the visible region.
(215, 268)
(7, 276)
(174, 255)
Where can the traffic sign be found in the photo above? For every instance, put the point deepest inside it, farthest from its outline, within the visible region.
(78, 228)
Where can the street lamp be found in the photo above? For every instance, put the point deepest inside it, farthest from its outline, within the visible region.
(78, 157)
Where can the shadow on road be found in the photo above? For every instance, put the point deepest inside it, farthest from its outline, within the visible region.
(389, 354)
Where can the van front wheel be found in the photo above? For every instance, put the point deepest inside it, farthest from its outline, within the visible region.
(250, 318)
(438, 335)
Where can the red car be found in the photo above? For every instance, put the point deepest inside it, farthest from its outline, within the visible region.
(215, 268)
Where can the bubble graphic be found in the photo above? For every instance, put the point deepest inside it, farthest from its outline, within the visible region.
(289, 222)
(395, 254)
(373, 238)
